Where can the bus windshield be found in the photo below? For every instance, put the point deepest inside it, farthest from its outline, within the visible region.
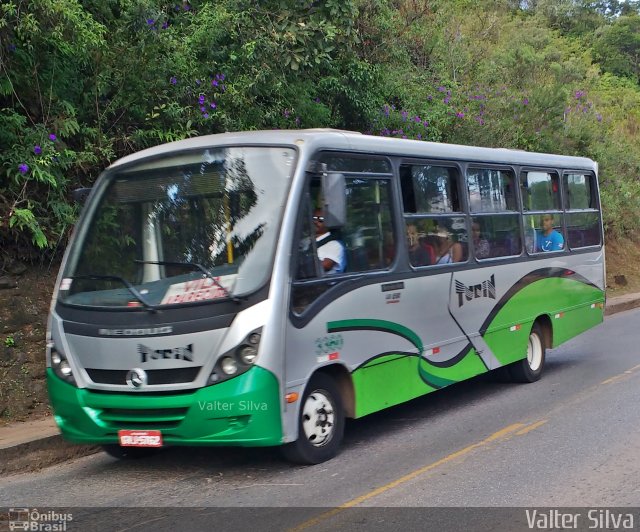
(191, 227)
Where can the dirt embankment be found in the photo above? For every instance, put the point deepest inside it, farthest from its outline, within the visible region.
(25, 296)
(24, 305)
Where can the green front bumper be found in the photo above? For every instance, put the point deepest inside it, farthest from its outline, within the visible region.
(244, 411)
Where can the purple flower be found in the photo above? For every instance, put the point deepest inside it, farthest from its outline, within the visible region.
(52, 137)
(441, 88)
(203, 108)
(525, 101)
(187, 7)
(213, 105)
(416, 119)
(425, 123)
(197, 82)
(286, 113)
(460, 114)
(205, 115)
(579, 94)
(150, 22)
(177, 8)
(173, 80)
(419, 136)
(599, 117)
(23, 168)
(37, 150)
(446, 100)
(165, 25)
(201, 98)
(429, 98)
(404, 115)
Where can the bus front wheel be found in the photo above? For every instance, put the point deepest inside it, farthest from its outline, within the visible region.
(530, 369)
(320, 423)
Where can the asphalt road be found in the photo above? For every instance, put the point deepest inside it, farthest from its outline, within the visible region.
(571, 439)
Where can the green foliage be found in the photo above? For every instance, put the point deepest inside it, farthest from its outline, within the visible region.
(83, 83)
(617, 47)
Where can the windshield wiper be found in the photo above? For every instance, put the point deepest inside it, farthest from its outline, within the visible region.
(195, 266)
(129, 286)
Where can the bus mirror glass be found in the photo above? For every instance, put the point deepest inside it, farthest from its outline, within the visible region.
(80, 195)
(335, 201)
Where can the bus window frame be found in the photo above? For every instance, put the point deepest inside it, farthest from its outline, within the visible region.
(463, 212)
(515, 170)
(595, 196)
(335, 281)
(539, 212)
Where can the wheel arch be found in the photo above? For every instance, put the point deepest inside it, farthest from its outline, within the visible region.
(342, 377)
(544, 321)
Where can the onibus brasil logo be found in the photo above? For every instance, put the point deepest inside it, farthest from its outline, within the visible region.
(37, 520)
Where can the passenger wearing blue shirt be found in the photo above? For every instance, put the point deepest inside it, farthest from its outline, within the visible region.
(549, 239)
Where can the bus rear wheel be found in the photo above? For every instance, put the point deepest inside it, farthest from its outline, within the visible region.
(320, 423)
(530, 369)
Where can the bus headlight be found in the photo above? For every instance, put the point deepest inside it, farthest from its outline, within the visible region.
(229, 366)
(60, 365)
(238, 360)
(248, 354)
(65, 369)
(56, 359)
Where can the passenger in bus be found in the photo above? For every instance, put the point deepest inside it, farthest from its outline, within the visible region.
(447, 251)
(418, 255)
(548, 239)
(480, 245)
(331, 251)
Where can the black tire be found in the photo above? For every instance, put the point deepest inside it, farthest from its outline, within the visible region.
(129, 453)
(318, 442)
(530, 368)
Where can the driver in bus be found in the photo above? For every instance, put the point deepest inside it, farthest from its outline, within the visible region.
(331, 251)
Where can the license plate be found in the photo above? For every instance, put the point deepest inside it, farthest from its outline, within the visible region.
(140, 438)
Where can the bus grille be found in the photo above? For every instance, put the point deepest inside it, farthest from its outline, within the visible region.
(154, 376)
(142, 417)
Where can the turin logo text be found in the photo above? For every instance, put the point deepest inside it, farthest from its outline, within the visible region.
(484, 289)
(175, 353)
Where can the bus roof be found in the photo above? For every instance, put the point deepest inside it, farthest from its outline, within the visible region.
(339, 140)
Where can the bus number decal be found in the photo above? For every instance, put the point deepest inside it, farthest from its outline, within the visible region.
(330, 344)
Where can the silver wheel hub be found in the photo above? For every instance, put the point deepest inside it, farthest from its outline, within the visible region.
(534, 352)
(318, 419)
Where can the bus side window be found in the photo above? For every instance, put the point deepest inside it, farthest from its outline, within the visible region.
(368, 233)
(582, 216)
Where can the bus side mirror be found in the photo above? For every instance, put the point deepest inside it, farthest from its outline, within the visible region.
(335, 200)
(80, 195)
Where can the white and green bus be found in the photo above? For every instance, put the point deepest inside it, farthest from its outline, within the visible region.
(192, 307)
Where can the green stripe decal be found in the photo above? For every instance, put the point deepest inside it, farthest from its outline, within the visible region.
(391, 327)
